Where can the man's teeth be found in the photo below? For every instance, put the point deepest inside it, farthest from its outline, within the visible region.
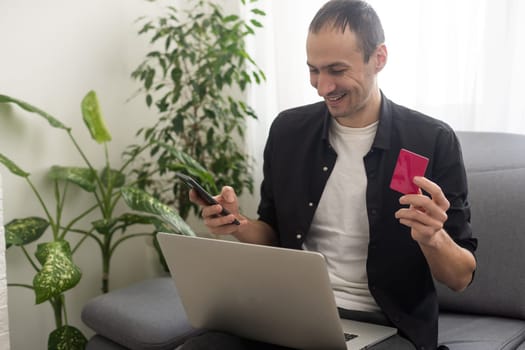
(335, 98)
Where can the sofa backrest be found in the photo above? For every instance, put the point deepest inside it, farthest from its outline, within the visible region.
(495, 164)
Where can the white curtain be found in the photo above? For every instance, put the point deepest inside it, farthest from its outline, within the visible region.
(461, 61)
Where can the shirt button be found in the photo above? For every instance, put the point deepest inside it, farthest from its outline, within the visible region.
(310, 204)
(299, 236)
(325, 168)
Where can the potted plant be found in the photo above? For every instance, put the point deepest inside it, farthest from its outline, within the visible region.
(55, 270)
(194, 77)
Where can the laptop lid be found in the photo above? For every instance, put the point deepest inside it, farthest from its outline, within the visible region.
(275, 295)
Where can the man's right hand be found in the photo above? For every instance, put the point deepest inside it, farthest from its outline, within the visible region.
(249, 231)
(216, 223)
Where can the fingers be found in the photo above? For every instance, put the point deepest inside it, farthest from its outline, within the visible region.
(211, 214)
(424, 215)
(423, 207)
(433, 190)
(420, 220)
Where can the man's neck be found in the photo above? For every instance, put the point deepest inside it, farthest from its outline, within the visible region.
(366, 116)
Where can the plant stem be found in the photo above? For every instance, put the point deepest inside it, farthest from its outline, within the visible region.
(118, 242)
(37, 194)
(21, 285)
(57, 304)
(29, 258)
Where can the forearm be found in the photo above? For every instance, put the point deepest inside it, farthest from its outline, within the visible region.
(256, 231)
(449, 263)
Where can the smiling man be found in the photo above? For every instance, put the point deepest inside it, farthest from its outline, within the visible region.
(327, 169)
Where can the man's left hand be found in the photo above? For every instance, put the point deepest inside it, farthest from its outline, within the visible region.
(425, 215)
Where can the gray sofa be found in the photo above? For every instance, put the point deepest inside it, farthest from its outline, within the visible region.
(489, 315)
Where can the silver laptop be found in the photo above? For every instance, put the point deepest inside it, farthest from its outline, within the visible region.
(275, 295)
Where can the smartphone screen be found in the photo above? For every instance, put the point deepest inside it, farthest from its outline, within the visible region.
(203, 194)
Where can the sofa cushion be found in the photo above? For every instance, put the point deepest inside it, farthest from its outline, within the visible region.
(496, 173)
(471, 332)
(125, 317)
(98, 342)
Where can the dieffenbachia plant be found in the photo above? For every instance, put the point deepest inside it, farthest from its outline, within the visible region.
(55, 269)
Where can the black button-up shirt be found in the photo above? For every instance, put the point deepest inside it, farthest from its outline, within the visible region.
(298, 160)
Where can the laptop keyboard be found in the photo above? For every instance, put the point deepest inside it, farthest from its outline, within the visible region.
(349, 336)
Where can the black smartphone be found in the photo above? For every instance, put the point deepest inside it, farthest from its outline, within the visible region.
(191, 183)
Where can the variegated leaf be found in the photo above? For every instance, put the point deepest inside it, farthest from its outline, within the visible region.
(104, 226)
(66, 338)
(189, 164)
(112, 177)
(24, 105)
(83, 177)
(142, 201)
(58, 272)
(12, 167)
(20, 232)
(93, 118)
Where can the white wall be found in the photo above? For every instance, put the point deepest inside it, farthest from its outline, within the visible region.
(52, 53)
(4, 317)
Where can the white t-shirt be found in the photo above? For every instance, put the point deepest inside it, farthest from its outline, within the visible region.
(340, 228)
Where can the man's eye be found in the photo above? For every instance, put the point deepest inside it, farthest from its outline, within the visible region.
(337, 71)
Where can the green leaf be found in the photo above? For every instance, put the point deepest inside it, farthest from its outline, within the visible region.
(176, 75)
(259, 12)
(93, 118)
(112, 177)
(12, 167)
(133, 219)
(104, 226)
(20, 232)
(83, 177)
(30, 108)
(230, 18)
(66, 338)
(141, 201)
(58, 272)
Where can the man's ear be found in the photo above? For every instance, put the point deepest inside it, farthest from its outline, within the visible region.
(381, 56)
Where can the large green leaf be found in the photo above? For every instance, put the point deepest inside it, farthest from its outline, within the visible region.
(66, 338)
(58, 272)
(93, 118)
(20, 232)
(189, 164)
(30, 108)
(12, 166)
(83, 177)
(139, 200)
(112, 177)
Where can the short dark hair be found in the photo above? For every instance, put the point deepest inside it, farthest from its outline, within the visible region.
(358, 15)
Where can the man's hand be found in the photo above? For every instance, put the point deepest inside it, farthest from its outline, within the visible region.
(216, 223)
(249, 231)
(426, 216)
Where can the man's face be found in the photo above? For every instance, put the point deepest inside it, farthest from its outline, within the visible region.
(340, 75)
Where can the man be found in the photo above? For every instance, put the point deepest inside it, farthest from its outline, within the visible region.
(327, 170)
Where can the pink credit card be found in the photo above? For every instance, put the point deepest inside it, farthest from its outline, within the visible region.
(409, 165)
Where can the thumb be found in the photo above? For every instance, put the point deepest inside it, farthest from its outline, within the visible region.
(228, 194)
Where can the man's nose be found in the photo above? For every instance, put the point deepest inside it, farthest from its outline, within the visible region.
(325, 84)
